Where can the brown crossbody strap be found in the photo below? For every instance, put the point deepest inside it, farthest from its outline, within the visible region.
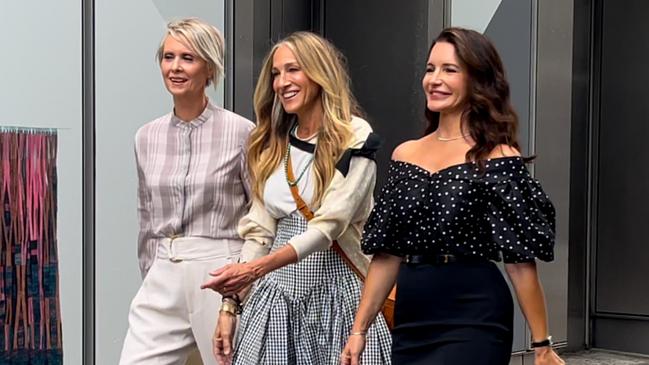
(308, 214)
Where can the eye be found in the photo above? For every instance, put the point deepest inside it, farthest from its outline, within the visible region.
(188, 57)
(168, 56)
(430, 68)
(293, 69)
(274, 73)
(450, 70)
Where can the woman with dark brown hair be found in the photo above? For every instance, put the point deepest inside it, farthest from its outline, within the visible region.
(456, 200)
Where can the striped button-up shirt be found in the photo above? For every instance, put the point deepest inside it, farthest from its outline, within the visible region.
(193, 179)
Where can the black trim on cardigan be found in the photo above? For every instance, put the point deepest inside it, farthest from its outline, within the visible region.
(368, 150)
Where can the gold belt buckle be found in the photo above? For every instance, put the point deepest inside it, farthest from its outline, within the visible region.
(173, 257)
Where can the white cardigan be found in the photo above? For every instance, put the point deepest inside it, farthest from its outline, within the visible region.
(345, 206)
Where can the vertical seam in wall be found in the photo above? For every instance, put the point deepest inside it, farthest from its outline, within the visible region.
(595, 59)
(534, 16)
(88, 179)
(229, 55)
(448, 13)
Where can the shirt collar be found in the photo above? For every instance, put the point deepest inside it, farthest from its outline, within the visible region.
(198, 121)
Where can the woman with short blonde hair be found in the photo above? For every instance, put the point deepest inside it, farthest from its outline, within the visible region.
(310, 146)
(193, 189)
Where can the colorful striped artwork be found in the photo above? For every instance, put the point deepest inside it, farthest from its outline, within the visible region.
(30, 320)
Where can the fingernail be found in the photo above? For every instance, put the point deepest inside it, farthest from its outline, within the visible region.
(227, 352)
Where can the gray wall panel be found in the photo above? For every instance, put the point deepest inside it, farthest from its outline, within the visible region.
(552, 134)
(579, 250)
(387, 47)
(621, 335)
(623, 203)
(129, 93)
(41, 87)
(511, 31)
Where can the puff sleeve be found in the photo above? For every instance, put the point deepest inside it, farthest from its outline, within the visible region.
(381, 231)
(520, 218)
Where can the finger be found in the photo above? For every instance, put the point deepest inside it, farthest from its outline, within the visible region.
(214, 283)
(217, 348)
(227, 345)
(344, 358)
(220, 270)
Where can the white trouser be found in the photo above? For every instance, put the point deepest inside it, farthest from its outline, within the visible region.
(170, 314)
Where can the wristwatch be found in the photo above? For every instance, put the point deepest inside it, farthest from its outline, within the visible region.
(543, 343)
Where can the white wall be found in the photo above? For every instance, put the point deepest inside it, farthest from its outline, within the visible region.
(41, 87)
(130, 92)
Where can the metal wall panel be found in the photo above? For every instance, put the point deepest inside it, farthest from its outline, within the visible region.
(42, 88)
(579, 248)
(508, 24)
(620, 308)
(628, 335)
(534, 40)
(129, 93)
(386, 45)
(552, 145)
(623, 203)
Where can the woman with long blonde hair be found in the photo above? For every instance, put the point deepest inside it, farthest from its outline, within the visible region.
(309, 149)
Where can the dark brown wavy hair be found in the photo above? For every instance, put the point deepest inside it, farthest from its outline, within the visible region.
(489, 115)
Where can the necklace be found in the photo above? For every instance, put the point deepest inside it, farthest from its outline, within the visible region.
(442, 139)
(287, 156)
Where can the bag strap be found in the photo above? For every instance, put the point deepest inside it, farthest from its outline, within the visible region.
(299, 202)
(308, 214)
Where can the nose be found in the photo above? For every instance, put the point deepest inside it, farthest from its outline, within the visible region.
(435, 78)
(175, 64)
(281, 80)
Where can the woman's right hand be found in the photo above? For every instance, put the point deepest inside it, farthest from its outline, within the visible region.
(351, 354)
(222, 342)
(547, 356)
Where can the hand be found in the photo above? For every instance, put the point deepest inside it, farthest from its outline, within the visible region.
(223, 336)
(231, 278)
(547, 356)
(351, 354)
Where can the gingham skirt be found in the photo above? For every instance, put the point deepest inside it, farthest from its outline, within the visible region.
(302, 313)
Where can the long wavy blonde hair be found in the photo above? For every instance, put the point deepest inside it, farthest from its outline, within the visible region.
(323, 64)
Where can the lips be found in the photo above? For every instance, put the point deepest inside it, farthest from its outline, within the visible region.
(288, 95)
(437, 94)
(177, 80)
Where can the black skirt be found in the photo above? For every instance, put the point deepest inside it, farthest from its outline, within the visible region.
(452, 314)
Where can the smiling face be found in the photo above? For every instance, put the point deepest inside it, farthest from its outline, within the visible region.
(445, 81)
(184, 73)
(296, 91)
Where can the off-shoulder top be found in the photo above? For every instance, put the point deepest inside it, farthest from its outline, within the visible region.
(498, 212)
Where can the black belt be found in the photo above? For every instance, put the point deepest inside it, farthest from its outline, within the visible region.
(441, 259)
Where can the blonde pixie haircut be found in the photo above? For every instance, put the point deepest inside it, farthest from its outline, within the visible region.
(202, 38)
(323, 64)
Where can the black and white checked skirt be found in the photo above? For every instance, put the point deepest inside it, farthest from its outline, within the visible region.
(302, 313)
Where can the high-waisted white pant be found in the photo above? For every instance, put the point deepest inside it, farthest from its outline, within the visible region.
(170, 314)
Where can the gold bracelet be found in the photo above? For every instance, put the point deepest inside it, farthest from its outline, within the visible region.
(360, 333)
(229, 308)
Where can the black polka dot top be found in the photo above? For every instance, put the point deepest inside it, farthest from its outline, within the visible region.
(498, 212)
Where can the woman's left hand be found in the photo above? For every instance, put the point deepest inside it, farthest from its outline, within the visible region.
(231, 278)
(547, 356)
(354, 347)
